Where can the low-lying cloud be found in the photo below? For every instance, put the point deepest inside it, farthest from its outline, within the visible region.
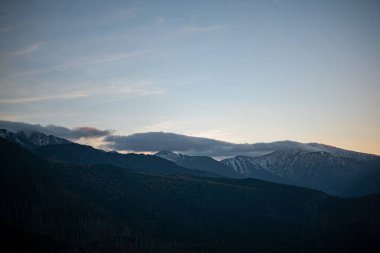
(59, 131)
(157, 141)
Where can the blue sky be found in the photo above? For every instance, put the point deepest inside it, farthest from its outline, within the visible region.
(240, 71)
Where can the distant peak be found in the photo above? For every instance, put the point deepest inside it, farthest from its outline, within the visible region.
(169, 155)
(165, 152)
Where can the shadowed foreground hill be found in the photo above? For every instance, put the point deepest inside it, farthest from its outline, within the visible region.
(49, 206)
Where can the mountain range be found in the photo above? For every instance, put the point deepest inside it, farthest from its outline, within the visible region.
(316, 166)
(49, 204)
(333, 170)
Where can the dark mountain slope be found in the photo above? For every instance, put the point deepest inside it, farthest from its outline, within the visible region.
(367, 182)
(76, 153)
(108, 207)
(39, 212)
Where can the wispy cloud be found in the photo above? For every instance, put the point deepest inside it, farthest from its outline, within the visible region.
(114, 90)
(119, 15)
(99, 60)
(191, 29)
(28, 50)
(36, 115)
(121, 88)
(160, 20)
(82, 62)
(63, 96)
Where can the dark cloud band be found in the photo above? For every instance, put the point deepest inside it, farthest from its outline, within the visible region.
(63, 132)
(157, 141)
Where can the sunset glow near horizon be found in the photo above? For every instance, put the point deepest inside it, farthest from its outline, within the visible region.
(238, 71)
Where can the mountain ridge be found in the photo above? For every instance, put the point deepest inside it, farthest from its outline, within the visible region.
(32, 139)
(332, 170)
(329, 172)
(63, 150)
(204, 163)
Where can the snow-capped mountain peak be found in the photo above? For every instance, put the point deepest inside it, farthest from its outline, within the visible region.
(169, 155)
(32, 139)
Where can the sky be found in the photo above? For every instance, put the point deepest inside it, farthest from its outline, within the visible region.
(237, 71)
